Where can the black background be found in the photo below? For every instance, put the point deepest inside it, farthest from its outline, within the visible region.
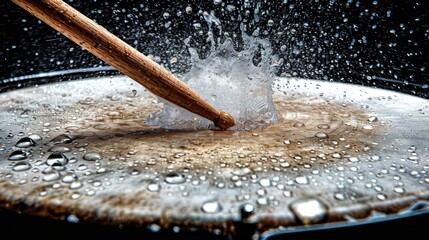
(316, 29)
(381, 43)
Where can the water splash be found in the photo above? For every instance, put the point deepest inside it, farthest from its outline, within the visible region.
(238, 82)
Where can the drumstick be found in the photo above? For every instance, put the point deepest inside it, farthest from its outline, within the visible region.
(106, 46)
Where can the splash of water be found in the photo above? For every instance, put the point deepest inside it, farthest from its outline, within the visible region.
(230, 81)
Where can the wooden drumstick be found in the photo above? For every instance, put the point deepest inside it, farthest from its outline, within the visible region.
(106, 46)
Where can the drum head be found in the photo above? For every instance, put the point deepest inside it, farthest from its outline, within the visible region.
(74, 152)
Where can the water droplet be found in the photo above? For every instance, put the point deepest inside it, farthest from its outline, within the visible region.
(175, 178)
(57, 159)
(25, 142)
(92, 156)
(336, 155)
(381, 197)
(285, 164)
(354, 159)
(309, 211)
(339, 196)
(299, 125)
(21, 166)
(60, 139)
(51, 175)
(323, 126)
(82, 167)
(69, 177)
(301, 180)
(35, 137)
(72, 218)
(321, 135)
(263, 201)
(75, 185)
(247, 211)
(287, 194)
(75, 196)
(368, 127)
(265, 182)
(19, 155)
(372, 119)
(154, 187)
(399, 190)
(59, 148)
(212, 206)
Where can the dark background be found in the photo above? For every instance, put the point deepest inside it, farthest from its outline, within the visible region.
(381, 43)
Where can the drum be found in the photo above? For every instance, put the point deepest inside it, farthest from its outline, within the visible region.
(78, 153)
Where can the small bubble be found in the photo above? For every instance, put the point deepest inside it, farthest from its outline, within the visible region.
(353, 159)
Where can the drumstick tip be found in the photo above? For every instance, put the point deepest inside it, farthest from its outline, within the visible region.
(224, 120)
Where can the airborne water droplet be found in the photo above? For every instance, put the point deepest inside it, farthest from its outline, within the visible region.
(212, 206)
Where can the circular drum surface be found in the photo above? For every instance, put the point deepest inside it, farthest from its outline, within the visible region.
(81, 151)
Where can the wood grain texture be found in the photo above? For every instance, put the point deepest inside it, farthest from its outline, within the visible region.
(106, 46)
